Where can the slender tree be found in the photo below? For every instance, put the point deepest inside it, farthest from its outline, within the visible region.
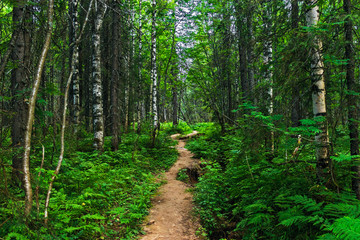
(318, 96)
(19, 82)
(115, 71)
(98, 116)
(140, 99)
(352, 97)
(267, 60)
(31, 111)
(295, 108)
(74, 60)
(154, 68)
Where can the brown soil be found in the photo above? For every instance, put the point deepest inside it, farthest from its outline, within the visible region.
(171, 216)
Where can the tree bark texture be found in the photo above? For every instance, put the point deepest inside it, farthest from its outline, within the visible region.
(19, 82)
(267, 60)
(115, 80)
(74, 49)
(353, 99)
(153, 66)
(295, 109)
(318, 97)
(31, 112)
(175, 102)
(140, 100)
(98, 116)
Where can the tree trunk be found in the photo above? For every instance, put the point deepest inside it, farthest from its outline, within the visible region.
(115, 79)
(98, 116)
(175, 102)
(295, 109)
(241, 34)
(250, 54)
(318, 98)
(352, 98)
(74, 50)
(140, 100)
(268, 76)
(62, 148)
(19, 82)
(31, 112)
(153, 66)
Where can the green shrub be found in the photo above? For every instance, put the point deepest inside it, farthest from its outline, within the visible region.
(182, 128)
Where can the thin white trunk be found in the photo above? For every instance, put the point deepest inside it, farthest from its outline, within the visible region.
(153, 66)
(31, 113)
(61, 157)
(98, 115)
(75, 65)
(318, 95)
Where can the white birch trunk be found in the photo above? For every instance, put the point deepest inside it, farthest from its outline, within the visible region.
(75, 65)
(31, 113)
(153, 66)
(318, 96)
(98, 116)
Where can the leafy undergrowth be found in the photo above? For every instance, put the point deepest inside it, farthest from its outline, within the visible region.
(95, 196)
(182, 128)
(247, 192)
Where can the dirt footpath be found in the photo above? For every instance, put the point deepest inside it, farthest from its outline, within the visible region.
(171, 216)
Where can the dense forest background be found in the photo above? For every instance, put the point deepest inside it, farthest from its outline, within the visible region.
(91, 90)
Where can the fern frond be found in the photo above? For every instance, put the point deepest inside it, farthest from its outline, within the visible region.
(346, 228)
(296, 220)
(307, 203)
(342, 209)
(260, 219)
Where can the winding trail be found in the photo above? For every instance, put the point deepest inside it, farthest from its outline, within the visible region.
(171, 216)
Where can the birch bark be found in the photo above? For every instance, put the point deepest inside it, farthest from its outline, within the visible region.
(153, 65)
(74, 46)
(318, 97)
(98, 116)
(31, 112)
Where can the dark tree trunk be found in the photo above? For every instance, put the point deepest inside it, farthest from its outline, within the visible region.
(295, 109)
(175, 97)
(19, 82)
(115, 80)
(352, 98)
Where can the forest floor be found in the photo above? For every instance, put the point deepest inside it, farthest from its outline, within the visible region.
(171, 217)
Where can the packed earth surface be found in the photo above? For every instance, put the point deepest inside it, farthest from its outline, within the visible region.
(171, 216)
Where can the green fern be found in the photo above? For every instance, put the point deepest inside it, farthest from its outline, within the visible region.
(346, 228)
(342, 209)
(295, 220)
(308, 204)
